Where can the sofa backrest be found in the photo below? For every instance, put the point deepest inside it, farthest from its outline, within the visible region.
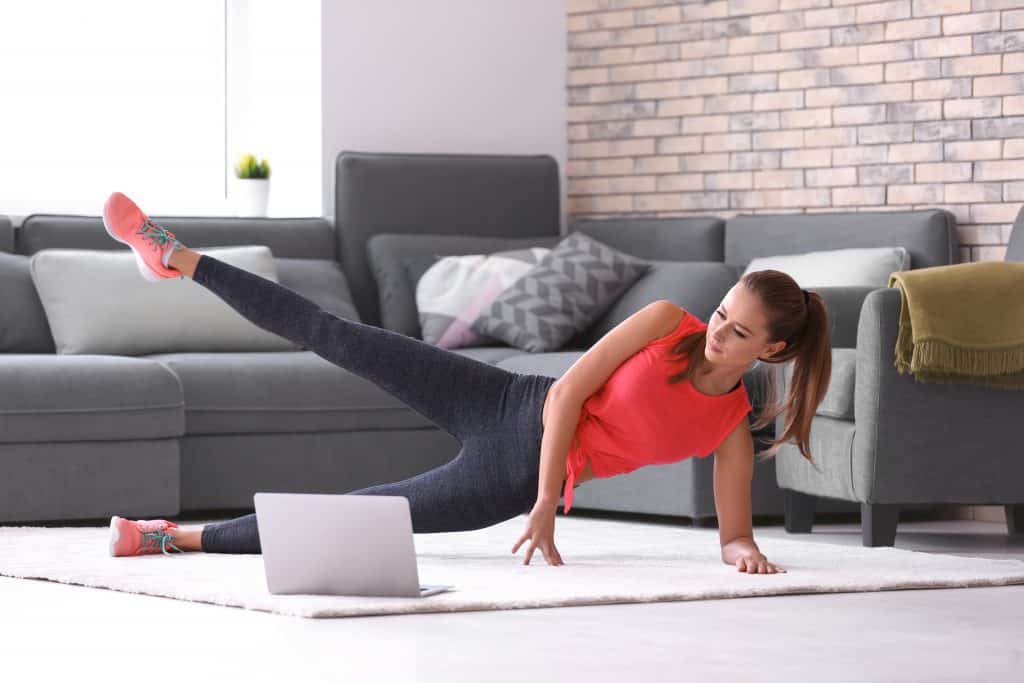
(930, 235)
(699, 238)
(310, 238)
(304, 248)
(683, 251)
(23, 324)
(6, 234)
(447, 194)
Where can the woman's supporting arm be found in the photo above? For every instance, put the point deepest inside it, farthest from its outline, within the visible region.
(563, 416)
(733, 473)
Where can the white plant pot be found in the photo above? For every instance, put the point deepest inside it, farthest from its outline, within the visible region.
(250, 196)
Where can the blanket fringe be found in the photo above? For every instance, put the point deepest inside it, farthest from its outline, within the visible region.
(936, 355)
(1003, 369)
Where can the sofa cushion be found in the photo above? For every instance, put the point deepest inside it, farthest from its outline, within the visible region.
(23, 325)
(454, 290)
(280, 391)
(97, 302)
(49, 397)
(488, 354)
(860, 267)
(577, 281)
(838, 401)
(399, 260)
(322, 281)
(288, 391)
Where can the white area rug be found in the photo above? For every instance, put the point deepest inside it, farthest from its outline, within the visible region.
(606, 561)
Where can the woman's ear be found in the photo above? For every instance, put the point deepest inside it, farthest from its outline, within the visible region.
(776, 348)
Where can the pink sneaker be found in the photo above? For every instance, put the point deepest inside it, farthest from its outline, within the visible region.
(141, 537)
(152, 244)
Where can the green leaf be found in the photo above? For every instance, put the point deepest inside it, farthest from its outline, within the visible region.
(248, 167)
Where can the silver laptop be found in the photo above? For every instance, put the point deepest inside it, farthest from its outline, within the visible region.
(339, 544)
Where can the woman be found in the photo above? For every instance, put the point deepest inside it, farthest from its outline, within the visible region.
(503, 419)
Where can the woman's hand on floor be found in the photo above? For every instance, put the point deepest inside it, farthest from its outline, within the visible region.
(540, 531)
(756, 563)
(744, 554)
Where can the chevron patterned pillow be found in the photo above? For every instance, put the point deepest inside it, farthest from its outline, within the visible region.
(455, 289)
(577, 281)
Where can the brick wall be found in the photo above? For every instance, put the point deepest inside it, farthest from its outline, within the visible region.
(767, 106)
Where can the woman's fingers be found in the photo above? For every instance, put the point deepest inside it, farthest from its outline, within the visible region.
(548, 550)
(550, 555)
(745, 564)
(518, 543)
(527, 536)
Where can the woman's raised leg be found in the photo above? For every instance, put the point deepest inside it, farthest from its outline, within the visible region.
(461, 395)
(495, 414)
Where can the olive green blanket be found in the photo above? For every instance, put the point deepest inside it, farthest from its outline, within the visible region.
(962, 323)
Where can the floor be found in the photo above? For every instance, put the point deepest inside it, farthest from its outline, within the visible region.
(52, 631)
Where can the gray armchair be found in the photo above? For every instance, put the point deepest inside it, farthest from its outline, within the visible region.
(902, 442)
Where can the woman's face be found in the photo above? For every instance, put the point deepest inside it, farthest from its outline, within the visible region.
(737, 332)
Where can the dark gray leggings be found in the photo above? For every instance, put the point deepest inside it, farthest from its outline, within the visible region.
(494, 413)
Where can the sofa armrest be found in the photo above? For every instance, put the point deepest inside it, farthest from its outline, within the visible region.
(925, 442)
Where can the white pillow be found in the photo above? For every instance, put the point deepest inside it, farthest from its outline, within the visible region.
(860, 267)
(453, 291)
(97, 302)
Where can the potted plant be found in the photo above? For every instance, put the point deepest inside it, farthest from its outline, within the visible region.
(252, 186)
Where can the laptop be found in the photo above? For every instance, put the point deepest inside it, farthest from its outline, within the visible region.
(339, 544)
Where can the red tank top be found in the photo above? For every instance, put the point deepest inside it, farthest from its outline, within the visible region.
(637, 418)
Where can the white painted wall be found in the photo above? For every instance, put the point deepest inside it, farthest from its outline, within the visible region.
(447, 76)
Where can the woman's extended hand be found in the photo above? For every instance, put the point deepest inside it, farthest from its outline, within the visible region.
(754, 562)
(540, 531)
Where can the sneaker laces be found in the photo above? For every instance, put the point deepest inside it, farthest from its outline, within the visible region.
(160, 237)
(155, 233)
(159, 537)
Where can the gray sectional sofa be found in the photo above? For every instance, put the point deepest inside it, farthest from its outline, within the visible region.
(87, 436)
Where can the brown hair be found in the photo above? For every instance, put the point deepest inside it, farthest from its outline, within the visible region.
(804, 326)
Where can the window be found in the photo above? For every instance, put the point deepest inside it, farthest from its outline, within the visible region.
(118, 94)
(158, 100)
